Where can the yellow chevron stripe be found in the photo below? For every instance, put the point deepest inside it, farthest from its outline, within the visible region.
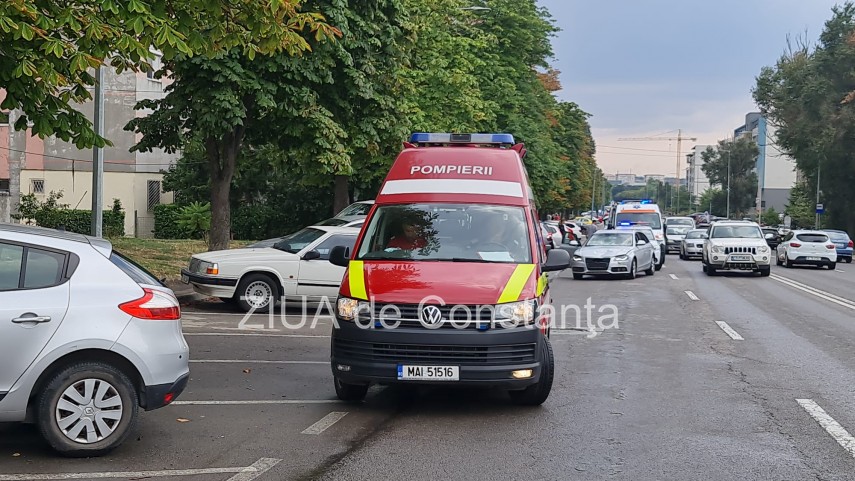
(516, 283)
(542, 281)
(356, 280)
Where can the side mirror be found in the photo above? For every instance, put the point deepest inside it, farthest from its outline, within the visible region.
(311, 255)
(642, 242)
(340, 256)
(574, 243)
(556, 260)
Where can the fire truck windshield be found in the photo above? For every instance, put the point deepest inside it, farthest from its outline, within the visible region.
(447, 232)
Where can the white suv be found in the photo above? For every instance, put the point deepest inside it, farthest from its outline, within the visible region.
(736, 245)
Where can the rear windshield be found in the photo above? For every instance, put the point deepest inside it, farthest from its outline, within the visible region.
(688, 222)
(812, 238)
(838, 236)
(695, 235)
(677, 230)
(135, 271)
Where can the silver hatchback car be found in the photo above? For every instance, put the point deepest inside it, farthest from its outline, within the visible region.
(87, 337)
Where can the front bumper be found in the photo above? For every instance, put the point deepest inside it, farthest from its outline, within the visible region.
(693, 251)
(674, 246)
(372, 356)
(740, 261)
(160, 395)
(614, 268)
(210, 285)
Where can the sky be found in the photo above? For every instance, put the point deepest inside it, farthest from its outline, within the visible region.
(644, 68)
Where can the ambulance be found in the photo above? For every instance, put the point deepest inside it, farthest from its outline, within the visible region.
(447, 282)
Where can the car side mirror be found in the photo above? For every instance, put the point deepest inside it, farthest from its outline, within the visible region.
(574, 243)
(340, 256)
(556, 260)
(642, 242)
(311, 255)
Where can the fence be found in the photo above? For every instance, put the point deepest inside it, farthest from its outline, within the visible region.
(143, 226)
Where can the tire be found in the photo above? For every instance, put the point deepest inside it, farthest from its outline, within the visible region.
(256, 285)
(350, 392)
(658, 266)
(650, 270)
(764, 272)
(778, 261)
(65, 387)
(633, 270)
(711, 271)
(847, 260)
(536, 394)
(788, 263)
(832, 266)
(704, 266)
(578, 276)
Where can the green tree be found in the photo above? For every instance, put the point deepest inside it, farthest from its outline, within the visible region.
(47, 48)
(801, 207)
(731, 166)
(713, 201)
(770, 217)
(808, 95)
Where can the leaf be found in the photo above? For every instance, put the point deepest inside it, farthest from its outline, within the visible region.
(247, 371)
(183, 420)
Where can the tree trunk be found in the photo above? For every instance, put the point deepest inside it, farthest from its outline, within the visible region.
(222, 160)
(341, 199)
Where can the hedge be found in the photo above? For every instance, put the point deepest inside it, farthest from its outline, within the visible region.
(80, 221)
(166, 222)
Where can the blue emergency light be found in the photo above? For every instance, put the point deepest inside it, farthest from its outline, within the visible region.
(636, 201)
(625, 223)
(448, 138)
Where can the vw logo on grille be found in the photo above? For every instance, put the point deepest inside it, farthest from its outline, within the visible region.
(431, 315)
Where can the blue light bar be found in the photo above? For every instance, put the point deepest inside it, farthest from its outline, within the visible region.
(448, 138)
(625, 223)
(638, 201)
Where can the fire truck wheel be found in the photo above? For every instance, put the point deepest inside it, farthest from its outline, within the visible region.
(536, 394)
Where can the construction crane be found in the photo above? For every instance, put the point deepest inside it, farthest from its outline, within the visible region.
(679, 138)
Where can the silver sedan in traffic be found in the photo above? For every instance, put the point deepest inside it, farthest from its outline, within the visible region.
(615, 252)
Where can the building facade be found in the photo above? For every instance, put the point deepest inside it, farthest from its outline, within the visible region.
(29, 165)
(776, 171)
(696, 179)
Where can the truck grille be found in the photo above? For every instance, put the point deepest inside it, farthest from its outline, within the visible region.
(740, 250)
(407, 316)
(458, 355)
(597, 264)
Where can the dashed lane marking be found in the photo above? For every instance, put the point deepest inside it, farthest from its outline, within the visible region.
(729, 331)
(325, 423)
(838, 432)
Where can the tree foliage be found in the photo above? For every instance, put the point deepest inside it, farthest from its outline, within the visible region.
(808, 95)
(48, 48)
(731, 165)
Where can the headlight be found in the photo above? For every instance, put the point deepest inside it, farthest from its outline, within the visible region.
(621, 258)
(577, 258)
(348, 308)
(210, 268)
(763, 249)
(516, 312)
(658, 236)
(718, 249)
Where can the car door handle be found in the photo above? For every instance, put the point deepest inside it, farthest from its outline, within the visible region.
(38, 319)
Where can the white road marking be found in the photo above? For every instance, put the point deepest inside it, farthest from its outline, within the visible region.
(250, 403)
(325, 423)
(250, 334)
(253, 361)
(814, 291)
(258, 468)
(833, 428)
(247, 473)
(839, 270)
(674, 277)
(729, 331)
(692, 296)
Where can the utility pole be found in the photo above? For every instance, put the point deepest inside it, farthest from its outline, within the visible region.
(729, 147)
(593, 190)
(98, 157)
(17, 146)
(818, 172)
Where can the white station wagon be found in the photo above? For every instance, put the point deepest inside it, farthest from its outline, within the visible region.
(296, 268)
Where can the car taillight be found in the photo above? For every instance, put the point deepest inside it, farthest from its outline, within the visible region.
(154, 305)
(795, 244)
(851, 244)
(830, 246)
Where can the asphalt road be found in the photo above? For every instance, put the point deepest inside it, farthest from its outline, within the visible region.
(667, 394)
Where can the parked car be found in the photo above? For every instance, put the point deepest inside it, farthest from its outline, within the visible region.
(357, 210)
(295, 268)
(611, 252)
(87, 338)
(551, 235)
(773, 239)
(843, 244)
(807, 247)
(332, 221)
(693, 244)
